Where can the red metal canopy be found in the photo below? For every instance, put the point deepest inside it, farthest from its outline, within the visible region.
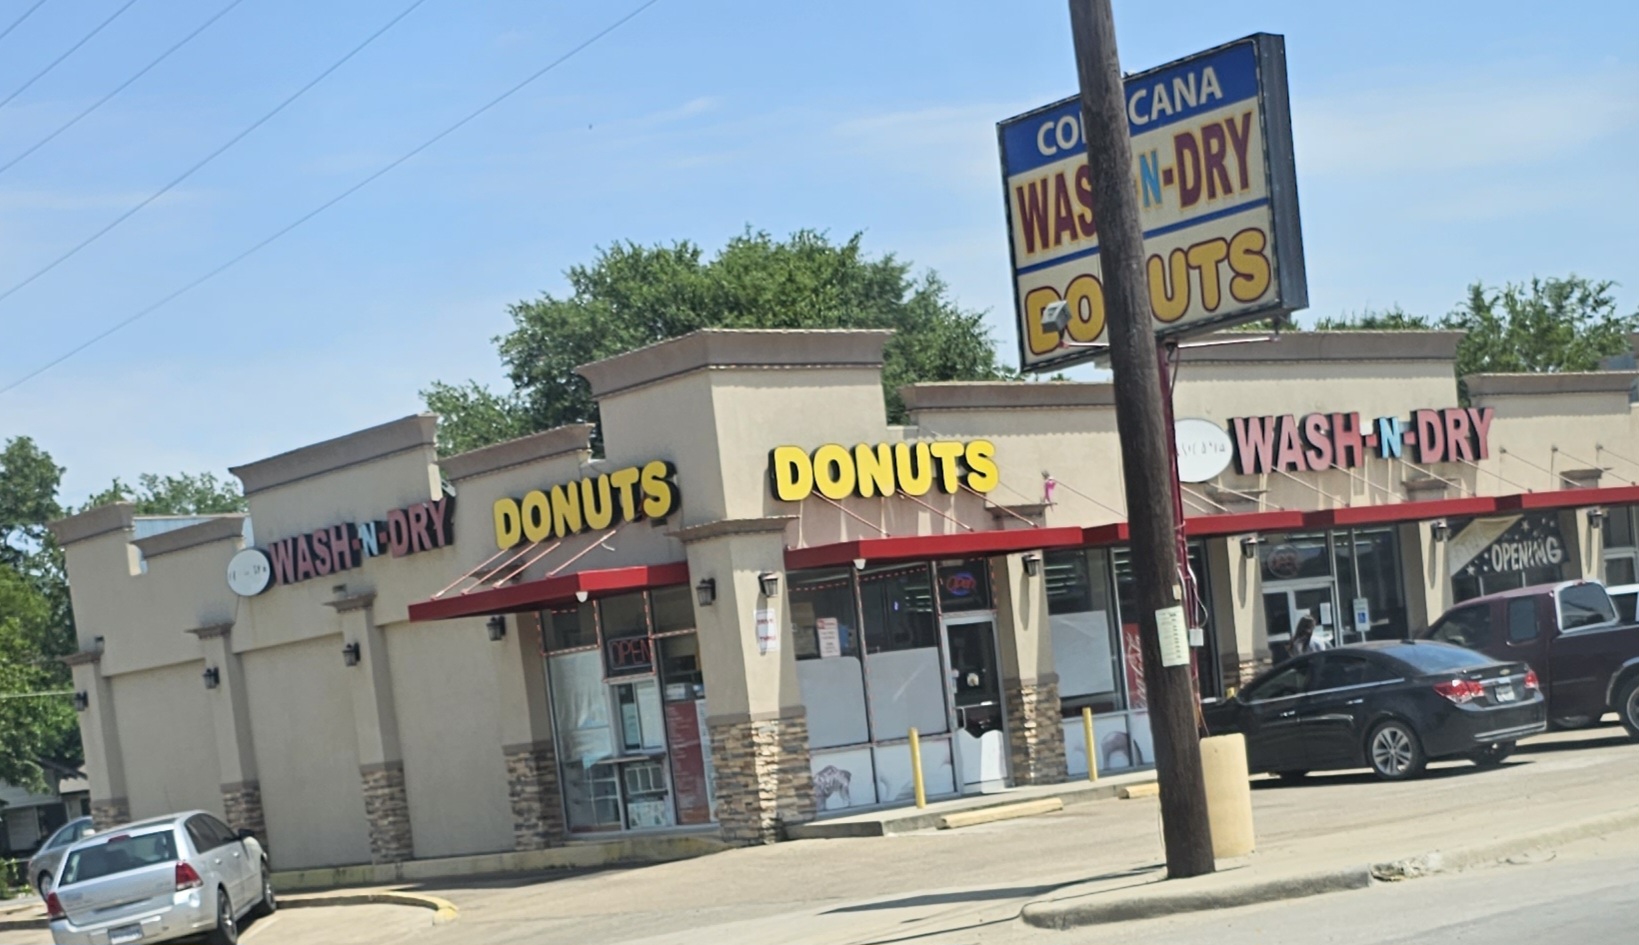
(928, 547)
(1420, 511)
(1569, 498)
(545, 592)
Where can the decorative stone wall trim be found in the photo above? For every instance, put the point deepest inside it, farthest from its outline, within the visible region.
(242, 806)
(537, 800)
(1035, 733)
(740, 718)
(110, 812)
(387, 806)
(763, 779)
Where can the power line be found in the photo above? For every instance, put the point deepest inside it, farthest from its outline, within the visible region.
(211, 156)
(71, 50)
(120, 88)
(19, 21)
(143, 312)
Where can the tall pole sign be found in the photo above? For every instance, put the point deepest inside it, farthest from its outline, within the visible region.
(1210, 158)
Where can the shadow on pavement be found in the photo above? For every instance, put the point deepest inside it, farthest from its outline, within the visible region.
(1604, 739)
(1460, 769)
(984, 895)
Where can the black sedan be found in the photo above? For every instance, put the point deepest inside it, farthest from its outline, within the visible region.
(1391, 706)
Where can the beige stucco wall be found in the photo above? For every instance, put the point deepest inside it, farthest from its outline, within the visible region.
(302, 723)
(449, 730)
(167, 740)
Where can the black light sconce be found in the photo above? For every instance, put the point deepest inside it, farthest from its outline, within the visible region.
(1032, 565)
(1440, 530)
(1249, 546)
(769, 582)
(705, 593)
(350, 654)
(82, 701)
(496, 627)
(1596, 517)
(212, 677)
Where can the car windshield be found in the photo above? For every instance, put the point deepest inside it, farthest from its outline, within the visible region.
(1437, 657)
(119, 854)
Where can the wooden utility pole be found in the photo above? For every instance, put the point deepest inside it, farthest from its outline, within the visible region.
(1146, 455)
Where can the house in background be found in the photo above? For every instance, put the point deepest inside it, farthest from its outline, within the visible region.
(27, 819)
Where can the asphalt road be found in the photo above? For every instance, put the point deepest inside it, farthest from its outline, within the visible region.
(1586, 894)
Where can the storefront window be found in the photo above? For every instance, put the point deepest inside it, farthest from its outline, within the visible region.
(964, 585)
(628, 710)
(1086, 647)
(1621, 557)
(1294, 557)
(825, 635)
(673, 609)
(1370, 585)
(902, 652)
(1487, 555)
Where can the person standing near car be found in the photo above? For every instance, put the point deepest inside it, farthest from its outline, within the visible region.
(1303, 636)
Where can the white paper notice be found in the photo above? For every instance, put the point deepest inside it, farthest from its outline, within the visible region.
(1174, 634)
(768, 634)
(830, 639)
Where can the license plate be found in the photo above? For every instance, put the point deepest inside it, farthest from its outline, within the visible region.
(125, 933)
(1505, 692)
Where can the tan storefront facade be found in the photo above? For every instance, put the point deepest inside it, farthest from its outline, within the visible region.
(727, 617)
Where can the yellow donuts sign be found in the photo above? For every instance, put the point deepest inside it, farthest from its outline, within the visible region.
(866, 470)
(592, 503)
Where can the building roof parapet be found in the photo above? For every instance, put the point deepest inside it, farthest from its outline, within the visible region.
(1005, 395)
(558, 441)
(113, 517)
(1328, 346)
(216, 528)
(378, 442)
(733, 526)
(1581, 382)
(724, 348)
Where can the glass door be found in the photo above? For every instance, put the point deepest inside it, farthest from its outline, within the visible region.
(1284, 605)
(976, 701)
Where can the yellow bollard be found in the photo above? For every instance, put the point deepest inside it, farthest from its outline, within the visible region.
(916, 769)
(1087, 733)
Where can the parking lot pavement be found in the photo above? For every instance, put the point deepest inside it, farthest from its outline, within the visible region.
(328, 925)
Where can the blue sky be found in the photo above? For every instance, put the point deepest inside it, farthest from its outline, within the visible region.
(1437, 143)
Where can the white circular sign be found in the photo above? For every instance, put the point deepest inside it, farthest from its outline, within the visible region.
(250, 572)
(1204, 449)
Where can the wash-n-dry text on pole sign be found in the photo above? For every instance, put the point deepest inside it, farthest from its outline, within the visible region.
(1212, 163)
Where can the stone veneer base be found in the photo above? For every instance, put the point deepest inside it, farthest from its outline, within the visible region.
(537, 801)
(387, 806)
(763, 777)
(111, 812)
(1035, 733)
(242, 805)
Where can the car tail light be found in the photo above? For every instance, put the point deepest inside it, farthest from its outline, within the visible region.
(1460, 691)
(187, 877)
(54, 907)
(1531, 682)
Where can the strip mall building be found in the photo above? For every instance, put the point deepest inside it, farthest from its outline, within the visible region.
(728, 616)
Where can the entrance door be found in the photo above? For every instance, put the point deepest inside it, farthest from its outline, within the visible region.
(1285, 604)
(976, 702)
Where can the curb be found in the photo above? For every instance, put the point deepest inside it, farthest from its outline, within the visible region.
(990, 815)
(1064, 914)
(444, 911)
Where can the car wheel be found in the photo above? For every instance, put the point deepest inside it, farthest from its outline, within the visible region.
(227, 929)
(1291, 777)
(270, 902)
(1395, 752)
(1627, 706)
(43, 884)
(1492, 755)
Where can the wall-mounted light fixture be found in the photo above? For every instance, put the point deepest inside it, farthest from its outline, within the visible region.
(859, 564)
(769, 582)
(212, 677)
(1440, 530)
(82, 701)
(1596, 517)
(1032, 565)
(350, 654)
(1249, 546)
(705, 593)
(582, 596)
(497, 627)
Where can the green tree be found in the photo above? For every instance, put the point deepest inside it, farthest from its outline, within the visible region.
(181, 494)
(36, 716)
(1549, 325)
(1393, 319)
(632, 295)
(29, 480)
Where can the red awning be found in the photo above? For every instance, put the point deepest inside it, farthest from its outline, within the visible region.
(1420, 511)
(1240, 523)
(1115, 533)
(546, 592)
(930, 547)
(1569, 499)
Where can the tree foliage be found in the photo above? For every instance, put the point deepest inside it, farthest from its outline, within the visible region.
(633, 295)
(181, 494)
(36, 715)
